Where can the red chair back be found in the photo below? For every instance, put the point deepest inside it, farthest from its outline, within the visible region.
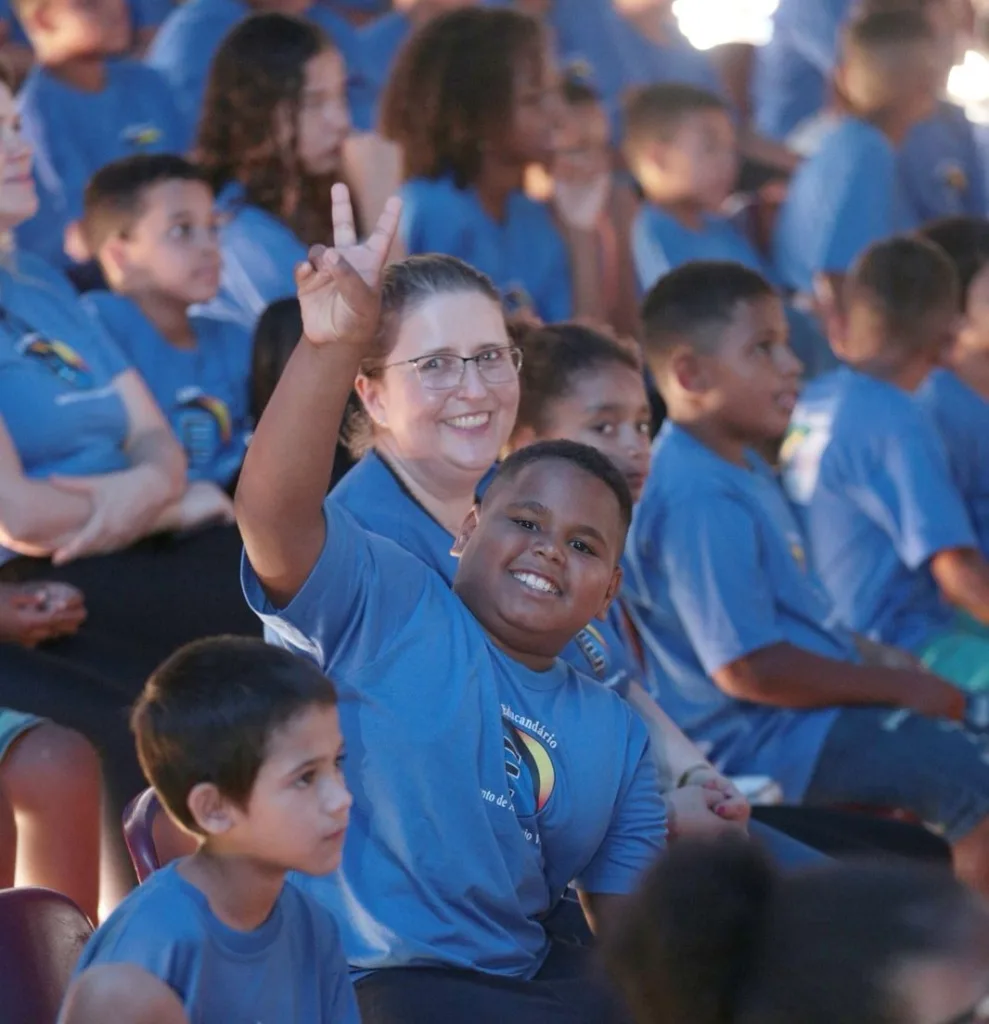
(42, 934)
(152, 838)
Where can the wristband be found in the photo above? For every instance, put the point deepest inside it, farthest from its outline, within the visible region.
(684, 779)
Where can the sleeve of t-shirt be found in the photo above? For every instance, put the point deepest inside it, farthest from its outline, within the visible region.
(651, 261)
(909, 493)
(339, 1002)
(637, 832)
(862, 209)
(710, 554)
(360, 594)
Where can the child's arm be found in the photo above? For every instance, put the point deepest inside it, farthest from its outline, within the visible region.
(287, 470)
(962, 574)
(122, 993)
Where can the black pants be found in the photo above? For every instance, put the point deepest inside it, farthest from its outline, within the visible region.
(568, 990)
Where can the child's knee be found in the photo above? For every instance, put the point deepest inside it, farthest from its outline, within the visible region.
(51, 763)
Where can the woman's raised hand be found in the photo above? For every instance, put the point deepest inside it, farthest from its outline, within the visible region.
(340, 288)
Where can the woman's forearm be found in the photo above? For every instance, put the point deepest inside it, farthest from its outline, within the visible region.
(37, 518)
(672, 751)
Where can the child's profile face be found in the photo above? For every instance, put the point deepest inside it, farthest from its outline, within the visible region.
(456, 430)
(582, 145)
(752, 381)
(975, 327)
(542, 560)
(86, 28)
(18, 197)
(700, 163)
(324, 117)
(174, 247)
(536, 109)
(607, 408)
(298, 811)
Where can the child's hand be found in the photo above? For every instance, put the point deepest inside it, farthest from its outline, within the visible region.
(580, 204)
(204, 503)
(694, 812)
(33, 613)
(340, 288)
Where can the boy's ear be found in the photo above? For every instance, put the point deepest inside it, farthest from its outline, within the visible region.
(688, 370)
(113, 258)
(830, 309)
(210, 810)
(613, 588)
(466, 532)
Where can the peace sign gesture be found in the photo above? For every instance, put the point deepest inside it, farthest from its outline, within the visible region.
(340, 288)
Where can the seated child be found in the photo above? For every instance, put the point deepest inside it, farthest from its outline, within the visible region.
(956, 394)
(150, 221)
(274, 206)
(848, 194)
(465, 151)
(864, 465)
(82, 106)
(242, 744)
(486, 735)
(740, 639)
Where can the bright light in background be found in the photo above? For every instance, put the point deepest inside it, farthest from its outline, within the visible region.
(968, 85)
(708, 23)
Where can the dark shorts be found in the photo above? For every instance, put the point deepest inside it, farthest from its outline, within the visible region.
(877, 757)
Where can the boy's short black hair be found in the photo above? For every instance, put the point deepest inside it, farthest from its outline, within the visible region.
(590, 460)
(114, 198)
(657, 111)
(208, 712)
(965, 240)
(694, 302)
(876, 30)
(903, 280)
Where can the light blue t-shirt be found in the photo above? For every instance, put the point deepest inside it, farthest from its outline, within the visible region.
(57, 369)
(961, 416)
(375, 48)
(482, 791)
(870, 481)
(260, 253)
(792, 70)
(203, 392)
(715, 569)
(840, 201)
(524, 255)
(291, 968)
(75, 133)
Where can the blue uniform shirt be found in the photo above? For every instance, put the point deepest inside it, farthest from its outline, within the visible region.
(291, 968)
(203, 392)
(57, 368)
(715, 570)
(455, 739)
(876, 504)
(374, 51)
(75, 133)
(525, 255)
(260, 253)
(840, 201)
(962, 419)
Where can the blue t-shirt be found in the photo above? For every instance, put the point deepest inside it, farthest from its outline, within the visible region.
(203, 392)
(840, 201)
(715, 570)
(792, 70)
(369, 65)
(260, 253)
(482, 790)
(291, 968)
(75, 133)
(875, 503)
(961, 416)
(57, 369)
(525, 255)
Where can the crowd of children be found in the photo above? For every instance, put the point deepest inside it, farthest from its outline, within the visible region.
(628, 467)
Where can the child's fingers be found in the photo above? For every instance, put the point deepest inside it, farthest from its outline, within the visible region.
(385, 230)
(344, 231)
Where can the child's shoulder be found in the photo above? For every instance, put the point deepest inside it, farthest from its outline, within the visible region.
(852, 140)
(124, 73)
(683, 469)
(118, 314)
(213, 330)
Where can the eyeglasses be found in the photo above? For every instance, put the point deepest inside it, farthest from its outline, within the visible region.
(445, 371)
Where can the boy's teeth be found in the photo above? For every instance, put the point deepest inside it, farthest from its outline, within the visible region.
(534, 582)
(477, 419)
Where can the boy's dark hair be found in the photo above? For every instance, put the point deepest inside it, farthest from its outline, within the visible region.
(694, 302)
(903, 280)
(451, 92)
(554, 357)
(258, 70)
(965, 240)
(717, 933)
(208, 712)
(276, 335)
(114, 198)
(879, 29)
(405, 286)
(657, 111)
(590, 460)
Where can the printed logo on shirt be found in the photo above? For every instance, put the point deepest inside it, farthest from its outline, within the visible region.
(531, 775)
(953, 175)
(141, 135)
(801, 454)
(59, 358)
(203, 425)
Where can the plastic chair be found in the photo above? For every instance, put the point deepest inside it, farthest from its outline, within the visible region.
(42, 934)
(151, 837)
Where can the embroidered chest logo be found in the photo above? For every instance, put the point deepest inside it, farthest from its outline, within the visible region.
(141, 135)
(59, 358)
(528, 763)
(202, 423)
(595, 649)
